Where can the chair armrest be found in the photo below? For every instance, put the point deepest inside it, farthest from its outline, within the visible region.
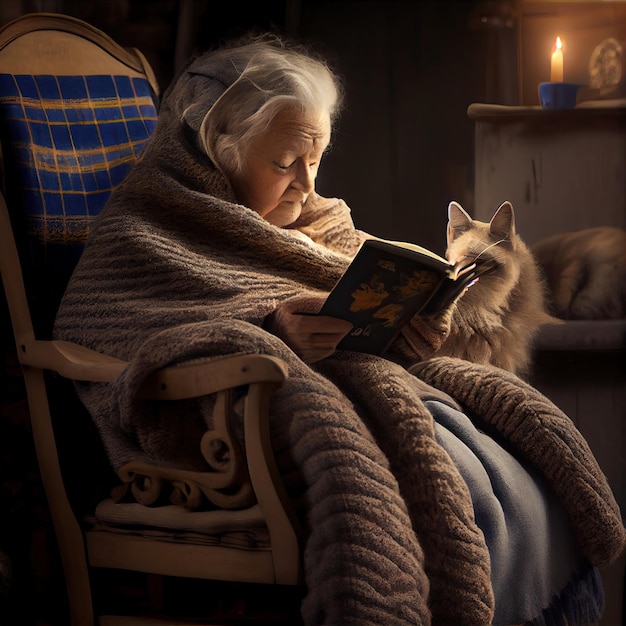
(175, 382)
(200, 377)
(70, 360)
(190, 380)
(251, 474)
(253, 468)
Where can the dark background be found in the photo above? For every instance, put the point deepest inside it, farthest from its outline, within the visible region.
(403, 149)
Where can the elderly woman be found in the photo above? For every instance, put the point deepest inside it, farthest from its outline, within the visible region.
(216, 243)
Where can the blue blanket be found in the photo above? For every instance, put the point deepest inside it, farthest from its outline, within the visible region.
(524, 525)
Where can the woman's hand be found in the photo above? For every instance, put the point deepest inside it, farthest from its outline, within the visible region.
(312, 337)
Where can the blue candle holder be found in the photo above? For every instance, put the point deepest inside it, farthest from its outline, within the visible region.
(558, 95)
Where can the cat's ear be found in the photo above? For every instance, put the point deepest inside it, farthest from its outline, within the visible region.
(458, 221)
(502, 224)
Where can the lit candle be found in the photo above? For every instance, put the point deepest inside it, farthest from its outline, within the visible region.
(556, 65)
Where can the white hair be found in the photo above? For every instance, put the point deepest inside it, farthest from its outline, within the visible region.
(272, 78)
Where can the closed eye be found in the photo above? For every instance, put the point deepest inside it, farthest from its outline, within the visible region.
(311, 165)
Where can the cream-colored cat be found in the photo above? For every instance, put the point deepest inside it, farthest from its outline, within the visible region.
(586, 272)
(495, 321)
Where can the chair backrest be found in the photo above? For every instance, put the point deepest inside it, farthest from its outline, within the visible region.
(68, 137)
(76, 110)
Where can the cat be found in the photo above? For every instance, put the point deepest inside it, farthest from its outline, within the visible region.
(495, 320)
(585, 272)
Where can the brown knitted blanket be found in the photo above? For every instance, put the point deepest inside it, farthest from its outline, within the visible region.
(175, 269)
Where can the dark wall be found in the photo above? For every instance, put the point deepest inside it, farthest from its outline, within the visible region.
(404, 147)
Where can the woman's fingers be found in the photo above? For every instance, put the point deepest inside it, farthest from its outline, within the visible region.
(316, 337)
(312, 337)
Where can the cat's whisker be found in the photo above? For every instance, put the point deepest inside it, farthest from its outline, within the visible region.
(487, 248)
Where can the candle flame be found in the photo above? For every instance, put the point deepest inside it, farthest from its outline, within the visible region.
(559, 45)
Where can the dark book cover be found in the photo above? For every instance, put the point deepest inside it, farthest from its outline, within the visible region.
(384, 286)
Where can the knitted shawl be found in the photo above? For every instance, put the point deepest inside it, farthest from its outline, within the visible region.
(175, 269)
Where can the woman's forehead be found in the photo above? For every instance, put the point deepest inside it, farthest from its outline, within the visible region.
(293, 126)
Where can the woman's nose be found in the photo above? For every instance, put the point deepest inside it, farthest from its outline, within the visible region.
(305, 178)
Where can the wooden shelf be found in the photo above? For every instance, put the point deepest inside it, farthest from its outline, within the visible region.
(480, 112)
(582, 335)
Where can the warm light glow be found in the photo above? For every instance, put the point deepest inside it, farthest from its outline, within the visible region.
(556, 63)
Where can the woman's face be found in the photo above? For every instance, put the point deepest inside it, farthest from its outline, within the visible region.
(281, 165)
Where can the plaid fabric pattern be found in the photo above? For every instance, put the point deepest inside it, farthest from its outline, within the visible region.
(72, 139)
(67, 141)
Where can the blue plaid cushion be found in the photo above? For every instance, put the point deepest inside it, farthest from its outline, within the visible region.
(67, 142)
(73, 139)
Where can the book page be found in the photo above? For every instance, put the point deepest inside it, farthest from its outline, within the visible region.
(415, 248)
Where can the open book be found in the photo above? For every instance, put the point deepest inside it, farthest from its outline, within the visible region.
(389, 282)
